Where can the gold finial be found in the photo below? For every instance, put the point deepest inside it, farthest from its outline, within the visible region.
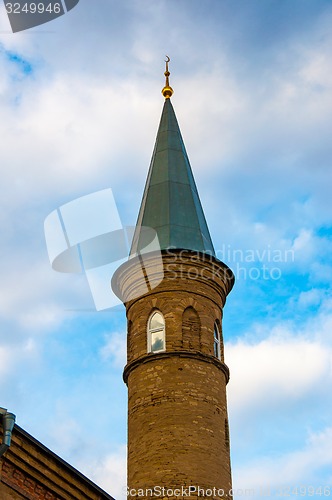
(167, 90)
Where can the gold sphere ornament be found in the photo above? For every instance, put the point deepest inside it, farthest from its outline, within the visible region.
(167, 91)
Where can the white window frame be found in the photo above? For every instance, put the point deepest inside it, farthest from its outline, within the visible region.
(154, 330)
(216, 341)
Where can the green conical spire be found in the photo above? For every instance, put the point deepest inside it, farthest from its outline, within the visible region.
(170, 203)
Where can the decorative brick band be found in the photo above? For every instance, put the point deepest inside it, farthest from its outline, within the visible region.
(206, 358)
(24, 484)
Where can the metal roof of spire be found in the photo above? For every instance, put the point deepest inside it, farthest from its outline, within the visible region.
(170, 204)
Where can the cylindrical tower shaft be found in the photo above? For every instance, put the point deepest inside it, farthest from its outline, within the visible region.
(177, 412)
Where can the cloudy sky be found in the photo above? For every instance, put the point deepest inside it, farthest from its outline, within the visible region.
(80, 104)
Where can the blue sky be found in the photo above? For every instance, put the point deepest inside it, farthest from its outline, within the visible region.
(80, 104)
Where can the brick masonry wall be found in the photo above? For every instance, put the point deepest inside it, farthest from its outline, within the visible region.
(177, 410)
(176, 433)
(29, 470)
(16, 485)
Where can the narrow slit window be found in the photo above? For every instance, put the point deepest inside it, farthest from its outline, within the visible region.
(156, 333)
(217, 346)
(227, 443)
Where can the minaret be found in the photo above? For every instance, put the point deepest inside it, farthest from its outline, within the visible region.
(178, 438)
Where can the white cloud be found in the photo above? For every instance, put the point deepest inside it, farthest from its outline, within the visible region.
(5, 361)
(109, 472)
(274, 370)
(279, 400)
(35, 298)
(19, 356)
(300, 468)
(302, 240)
(66, 431)
(271, 364)
(115, 348)
(309, 298)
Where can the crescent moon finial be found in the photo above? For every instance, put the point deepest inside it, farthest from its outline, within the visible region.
(167, 90)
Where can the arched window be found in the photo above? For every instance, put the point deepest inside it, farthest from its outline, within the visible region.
(217, 341)
(156, 332)
(191, 329)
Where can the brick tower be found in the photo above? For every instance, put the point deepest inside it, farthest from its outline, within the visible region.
(178, 438)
